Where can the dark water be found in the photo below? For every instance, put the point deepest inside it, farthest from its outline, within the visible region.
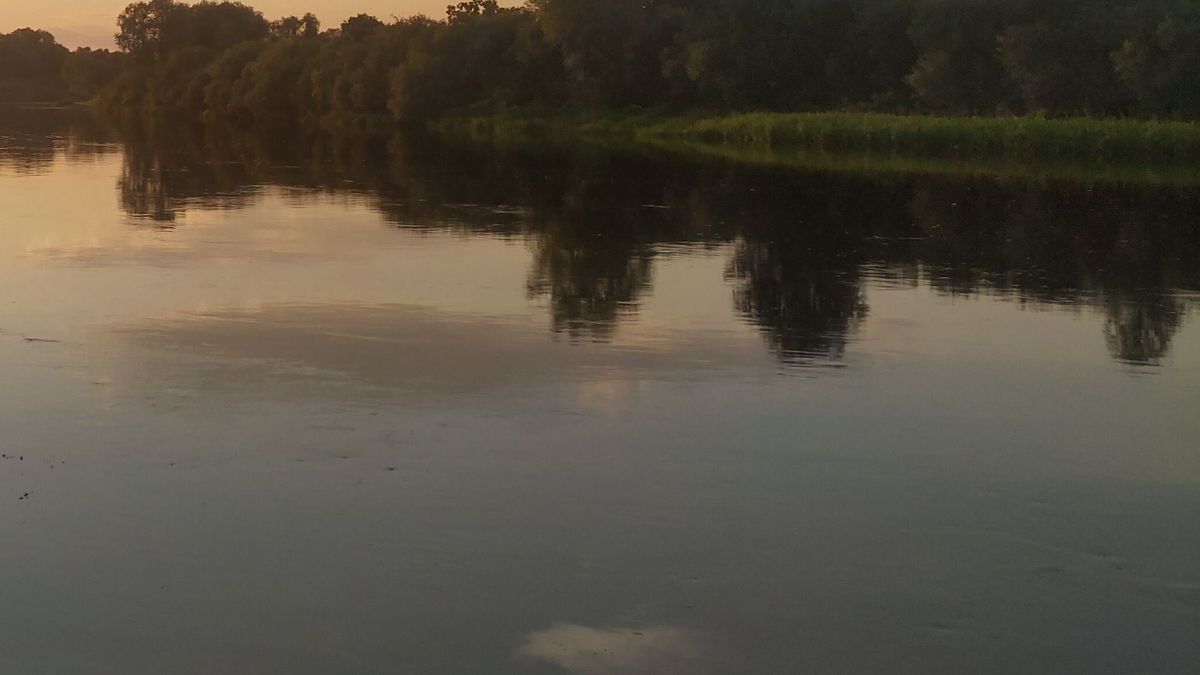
(306, 405)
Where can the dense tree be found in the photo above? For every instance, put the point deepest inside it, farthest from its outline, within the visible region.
(85, 72)
(464, 10)
(1052, 57)
(178, 86)
(585, 33)
(873, 55)
(30, 66)
(1158, 62)
(496, 60)
(361, 27)
(220, 25)
(143, 26)
(151, 30)
(958, 69)
(224, 74)
(1060, 63)
(274, 87)
(307, 26)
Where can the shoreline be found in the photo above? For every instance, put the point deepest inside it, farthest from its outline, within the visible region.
(1077, 149)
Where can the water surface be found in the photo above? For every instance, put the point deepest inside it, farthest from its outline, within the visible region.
(313, 405)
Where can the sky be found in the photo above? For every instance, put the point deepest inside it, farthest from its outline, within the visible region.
(91, 23)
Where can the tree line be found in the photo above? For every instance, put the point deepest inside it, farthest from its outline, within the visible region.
(35, 68)
(226, 60)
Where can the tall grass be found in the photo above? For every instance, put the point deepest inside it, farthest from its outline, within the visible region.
(1115, 147)
(950, 137)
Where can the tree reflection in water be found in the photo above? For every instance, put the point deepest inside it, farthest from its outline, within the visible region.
(34, 137)
(806, 308)
(803, 243)
(1139, 330)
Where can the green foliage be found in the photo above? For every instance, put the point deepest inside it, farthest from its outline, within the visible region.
(85, 72)
(35, 68)
(958, 69)
(30, 66)
(1159, 63)
(360, 28)
(307, 26)
(225, 74)
(1051, 58)
(274, 86)
(151, 30)
(1061, 63)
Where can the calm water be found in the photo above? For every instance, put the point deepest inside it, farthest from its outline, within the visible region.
(305, 406)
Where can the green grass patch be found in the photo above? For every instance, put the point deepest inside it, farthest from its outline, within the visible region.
(1076, 148)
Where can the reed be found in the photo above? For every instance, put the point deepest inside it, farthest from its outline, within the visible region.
(1010, 139)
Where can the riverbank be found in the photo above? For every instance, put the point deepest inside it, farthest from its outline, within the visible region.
(1077, 148)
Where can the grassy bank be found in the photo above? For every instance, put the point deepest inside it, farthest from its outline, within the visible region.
(1134, 150)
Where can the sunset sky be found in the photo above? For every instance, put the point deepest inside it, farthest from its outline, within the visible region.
(91, 22)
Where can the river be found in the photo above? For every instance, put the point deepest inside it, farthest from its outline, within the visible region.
(297, 404)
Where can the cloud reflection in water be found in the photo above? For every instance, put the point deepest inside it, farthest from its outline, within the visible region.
(658, 650)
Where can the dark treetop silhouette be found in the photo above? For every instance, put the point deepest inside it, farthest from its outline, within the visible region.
(226, 60)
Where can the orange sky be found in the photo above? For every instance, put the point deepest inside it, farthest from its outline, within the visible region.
(90, 22)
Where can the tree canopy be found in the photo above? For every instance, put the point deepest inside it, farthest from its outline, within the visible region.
(1051, 57)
